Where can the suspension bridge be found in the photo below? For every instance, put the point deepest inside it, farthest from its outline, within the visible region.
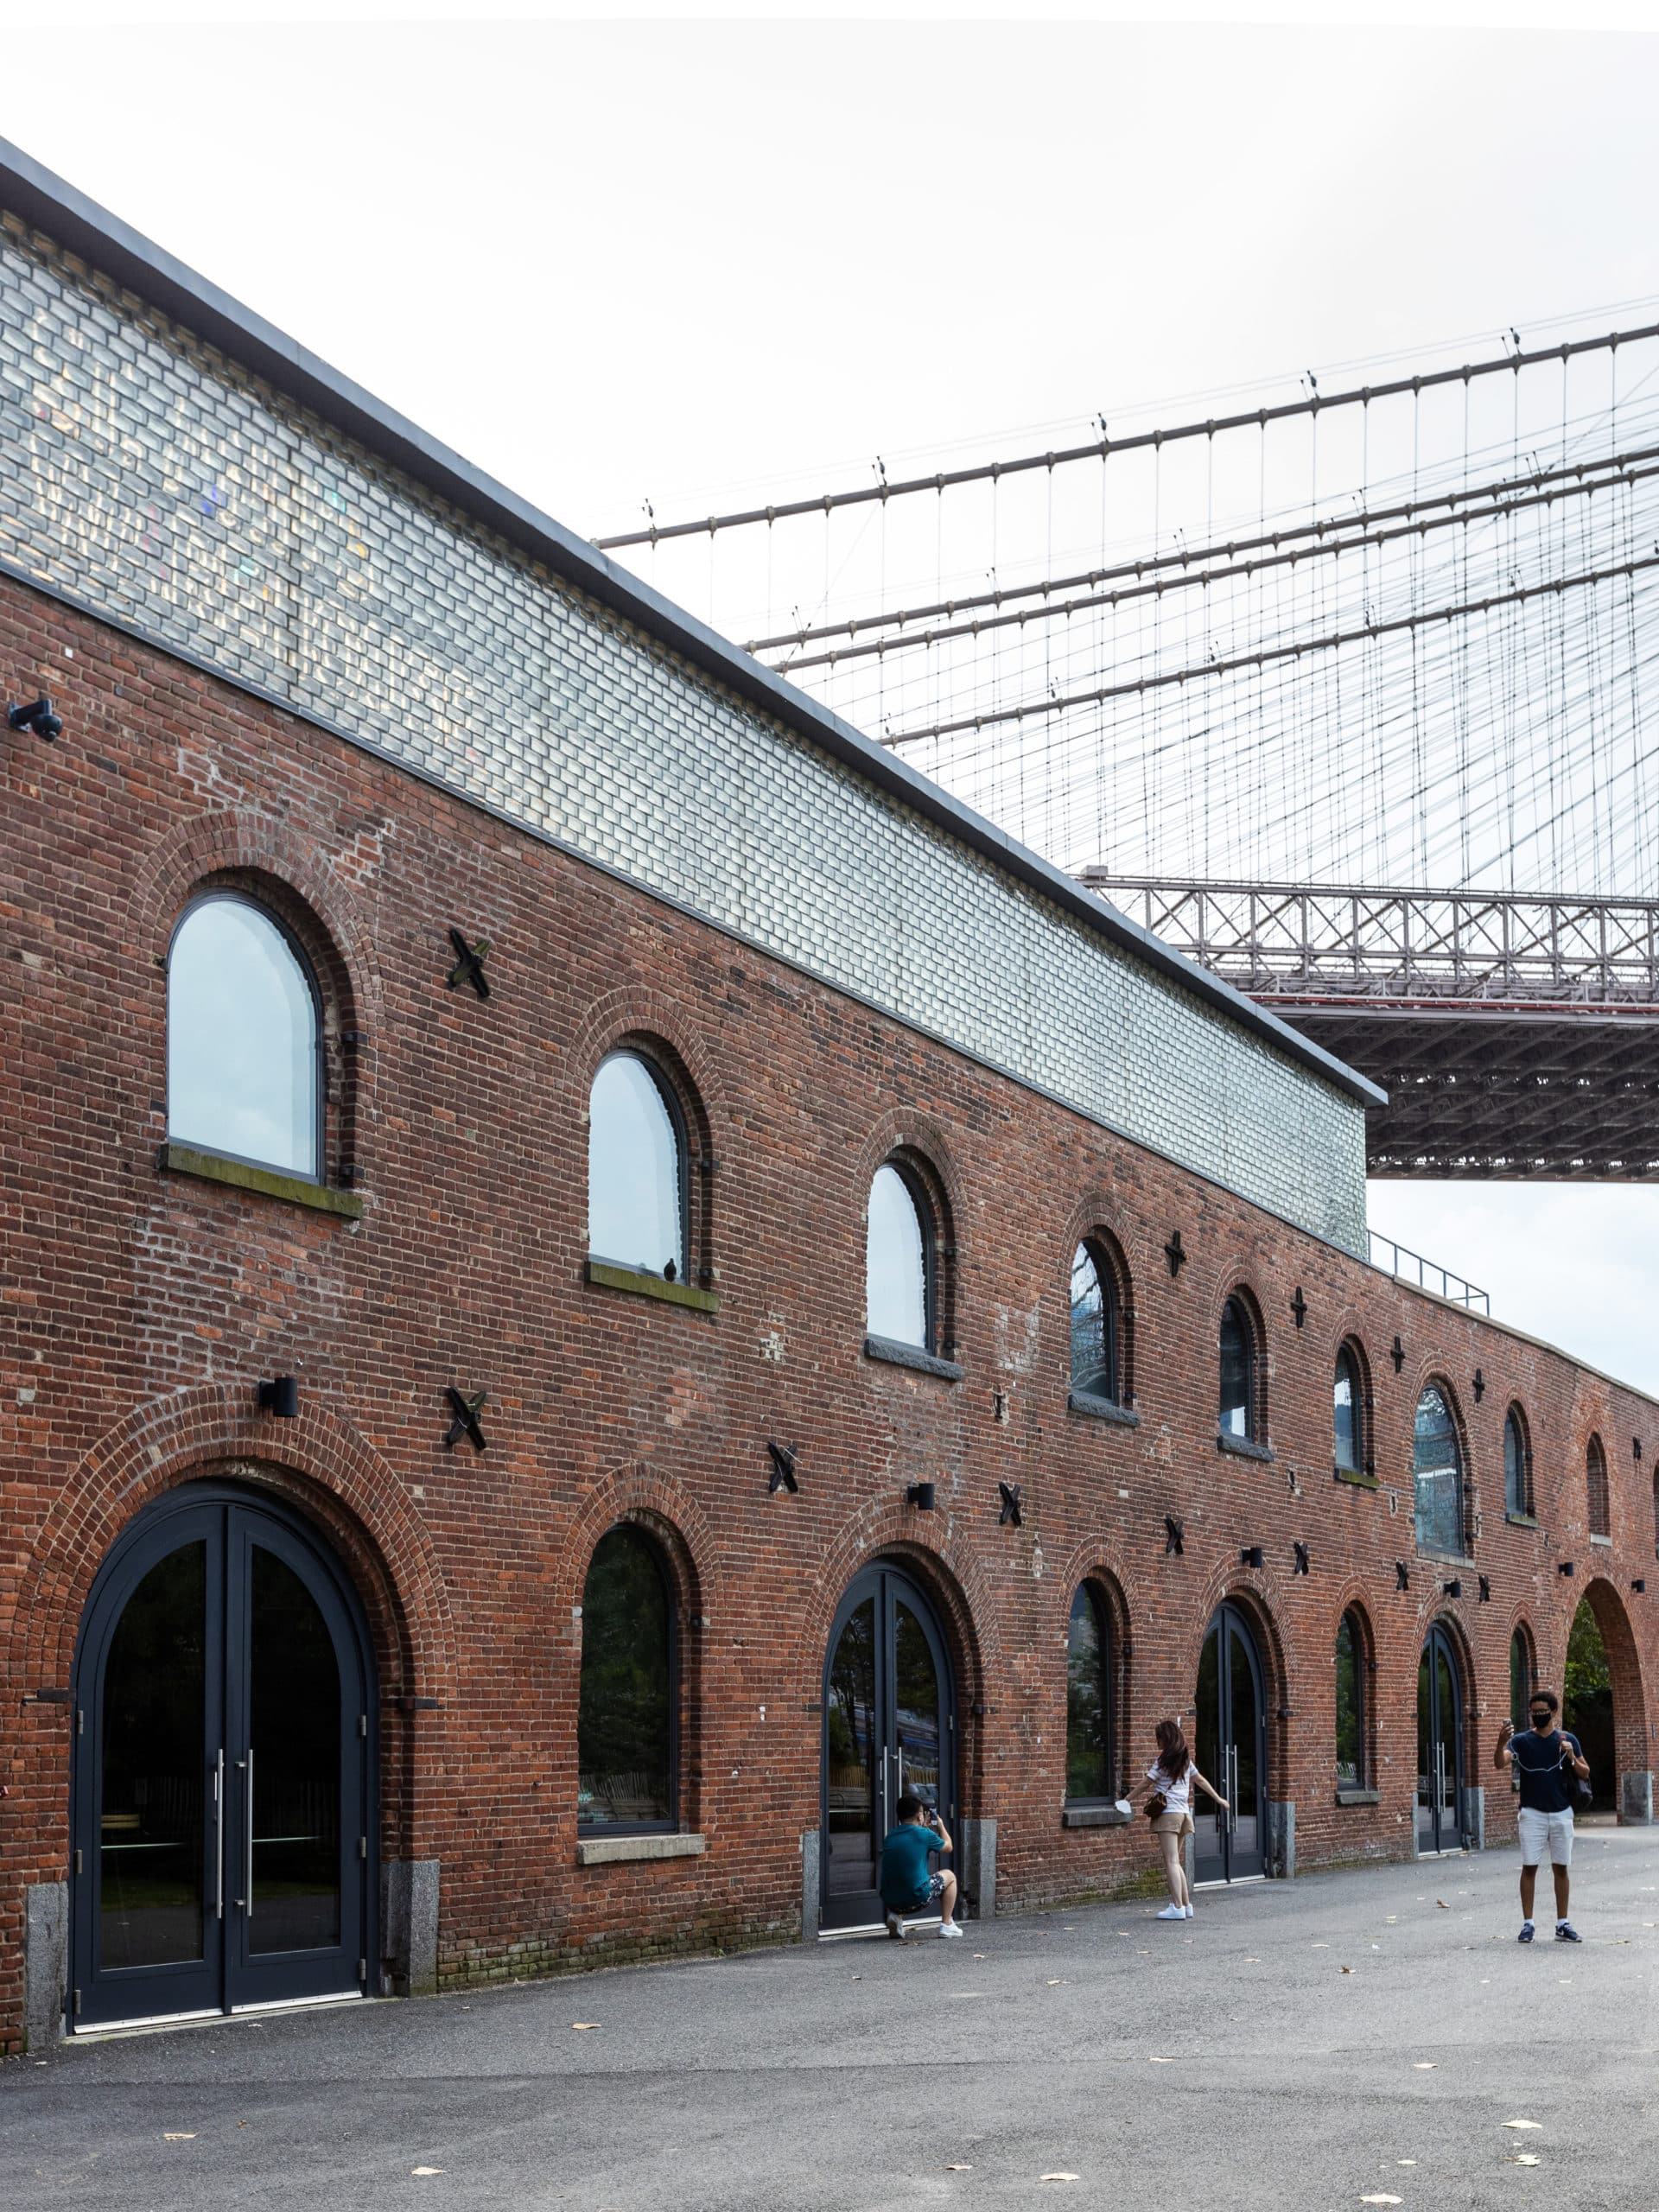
(1347, 694)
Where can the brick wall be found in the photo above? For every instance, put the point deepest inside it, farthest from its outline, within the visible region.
(157, 482)
(137, 1310)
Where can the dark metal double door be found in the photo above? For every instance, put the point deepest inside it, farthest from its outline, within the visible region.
(1230, 1744)
(222, 1851)
(1440, 1747)
(889, 1727)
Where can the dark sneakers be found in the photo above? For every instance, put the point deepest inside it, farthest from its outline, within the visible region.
(1566, 1933)
(1527, 1931)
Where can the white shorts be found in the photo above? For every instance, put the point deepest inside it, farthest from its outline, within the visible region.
(1542, 1830)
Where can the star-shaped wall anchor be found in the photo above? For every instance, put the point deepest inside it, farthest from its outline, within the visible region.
(783, 1475)
(469, 963)
(1300, 1551)
(1398, 1355)
(1176, 1256)
(1299, 1306)
(1174, 1535)
(1010, 1506)
(1401, 1575)
(466, 1422)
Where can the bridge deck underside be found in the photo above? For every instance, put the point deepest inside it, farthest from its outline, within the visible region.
(1536, 1092)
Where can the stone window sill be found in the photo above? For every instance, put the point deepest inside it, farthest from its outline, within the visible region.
(639, 1282)
(1085, 1401)
(1243, 1448)
(1522, 1520)
(1346, 1796)
(621, 1850)
(1446, 1559)
(266, 1182)
(1603, 1543)
(1095, 1816)
(911, 1355)
(1355, 1479)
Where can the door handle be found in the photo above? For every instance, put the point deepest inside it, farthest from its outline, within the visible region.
(219, 1835)
(248, 1907)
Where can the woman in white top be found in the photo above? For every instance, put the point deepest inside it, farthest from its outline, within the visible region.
(1172, 1775)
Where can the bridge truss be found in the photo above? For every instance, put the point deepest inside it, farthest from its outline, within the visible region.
(1517, 1035)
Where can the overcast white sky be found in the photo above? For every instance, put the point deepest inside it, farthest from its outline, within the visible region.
(674, 257)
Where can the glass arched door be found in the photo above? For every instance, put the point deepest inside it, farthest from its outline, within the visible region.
(1440, 1746)
(889, 1727)
(1230, 1744)
(223, 1850)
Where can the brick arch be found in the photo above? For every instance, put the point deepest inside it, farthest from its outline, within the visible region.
(1434, 1370)
(235, 850)
(926, 1152)
(955, 1580)
(1098, 1218)
(1624, 1671)
(640, 1495)
(1256, 1593)
(1105, 1566)
(328, 1471)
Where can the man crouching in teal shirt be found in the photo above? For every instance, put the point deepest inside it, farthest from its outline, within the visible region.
(906, 1884)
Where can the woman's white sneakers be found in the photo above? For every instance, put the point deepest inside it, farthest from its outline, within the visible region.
(948, 1928)
(1173, 1912)
(1192, 1912)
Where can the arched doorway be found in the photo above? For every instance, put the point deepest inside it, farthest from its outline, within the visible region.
(889, 1727)
(223, 1830)
(1230, 1744)
(1439, 1745)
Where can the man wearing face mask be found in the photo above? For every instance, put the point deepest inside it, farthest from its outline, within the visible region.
(1549, 1764)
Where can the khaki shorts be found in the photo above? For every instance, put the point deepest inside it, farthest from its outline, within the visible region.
(1172, 1824)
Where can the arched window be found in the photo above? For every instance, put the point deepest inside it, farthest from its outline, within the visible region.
(1521, 1676)
(244, 1032)
(626, 1750)
(636, 1169)
(1595, 1477)
(1518, 1464)
(1348, 1414)
(1238, 1390)
(1656, 1514)
(1437, 1470)
(898, 1262)
(1094, 1326)
(1089, 1777)
(1352, 1765)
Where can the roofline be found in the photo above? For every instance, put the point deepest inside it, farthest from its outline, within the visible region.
(108, 244)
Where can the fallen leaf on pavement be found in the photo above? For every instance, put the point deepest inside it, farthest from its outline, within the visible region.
(169, 2136)
(1252, 1962)
(956, 1993)
(426, 2170)
(1524, 2159)
(1347, 1969)
(1443, 1904)
(1321, 1947)
(1059, 2176)
(1381, 2197)
(1058, 1983)
(1161, 2061)
(979, 1955)
(1524, 2123)
(958, 2169)
(1405, 2162)
(1424, 2065)
(582, 2026)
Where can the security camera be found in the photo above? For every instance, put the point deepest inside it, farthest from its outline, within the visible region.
(38, 716)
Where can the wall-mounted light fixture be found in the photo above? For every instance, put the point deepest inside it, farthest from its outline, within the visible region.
(1638, 1585)
(280, 1396)
(1452, 1589)
(37, 716)
(783, 1476)
(920, 1495)
(1564, 1567)
(1250, 1556)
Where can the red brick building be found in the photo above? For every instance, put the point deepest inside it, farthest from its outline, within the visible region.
(353, 1079)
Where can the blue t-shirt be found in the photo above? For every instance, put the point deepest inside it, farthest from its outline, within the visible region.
(906, 1851)
(1547, 1786)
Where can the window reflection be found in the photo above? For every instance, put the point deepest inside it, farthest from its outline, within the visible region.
(1094, 1327)
(1437, 1468)
(1351, 1692)
(1347, 1412)
(1516, 1489)
(625, 1723)
(896, 1302)
(241, 1038)
(636, 1212)
(1087, 1699)
(1237, 1372)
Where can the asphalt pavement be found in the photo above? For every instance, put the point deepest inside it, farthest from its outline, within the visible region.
(1365, 2037)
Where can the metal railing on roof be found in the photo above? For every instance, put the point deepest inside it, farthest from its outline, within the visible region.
(1412, 1267)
